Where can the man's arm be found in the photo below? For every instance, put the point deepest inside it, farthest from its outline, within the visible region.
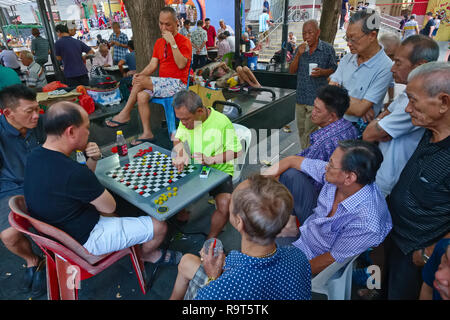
(358, 107)
(105, 203)
(287, 163)
(120, 64)
(319, 263)
(180, 60)
(151, 67)
(293, 67)
(374, 132)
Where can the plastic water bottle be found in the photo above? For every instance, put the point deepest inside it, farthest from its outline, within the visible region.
(217, 246)
(81, 159)
(122, 148)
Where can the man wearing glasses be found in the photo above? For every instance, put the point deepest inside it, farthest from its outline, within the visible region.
(365, 71)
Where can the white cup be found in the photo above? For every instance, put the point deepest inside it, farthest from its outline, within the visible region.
(311, 67)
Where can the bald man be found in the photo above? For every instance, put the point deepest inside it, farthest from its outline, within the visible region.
(316, 51)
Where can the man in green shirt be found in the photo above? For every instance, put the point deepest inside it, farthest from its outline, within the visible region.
(212, 141)
(8, 77)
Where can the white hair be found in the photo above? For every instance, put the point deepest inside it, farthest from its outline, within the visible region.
(436, 77)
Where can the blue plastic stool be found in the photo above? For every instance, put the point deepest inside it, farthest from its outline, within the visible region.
(170, 113)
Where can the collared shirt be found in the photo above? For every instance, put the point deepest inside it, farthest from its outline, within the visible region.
(284, 276)
(198, 36)
(361, 221)
(325, 140)
(211, 33)
(410, 28)
(227, 28)
(185, 32)
(396, 152)
(307, 86)
(40, 47)
(368, 81)
(420, 201)
(35, 76)
(119, 53)
(14, 149)
(9, 59)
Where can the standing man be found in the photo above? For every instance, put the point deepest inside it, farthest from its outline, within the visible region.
(321, 53)
(211, 32)
(366, 71)
(420, 201)
(185, 30)
(35, 74)
(224, 27)
(119, 42)
(344, 12)
(39, 47)
(429, 27)
(69, 51)
(397, 137)
(410, 28)
(20, 132)
(264, 23)
(199, 39)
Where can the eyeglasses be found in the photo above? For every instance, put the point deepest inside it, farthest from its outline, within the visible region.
(329, 165)
(353, 40)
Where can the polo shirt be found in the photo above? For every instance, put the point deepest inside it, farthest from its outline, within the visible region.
(14, 149)
(420, 201)
(396, 152)
(35, 76)
(167, 66)
(368, 81)
(71, 50)
(8, 77)
(307, 86)
(40, 47)
(284, 276)
(214, 136)
(410, 28)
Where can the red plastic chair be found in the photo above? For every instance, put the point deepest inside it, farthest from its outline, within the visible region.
(67, 260)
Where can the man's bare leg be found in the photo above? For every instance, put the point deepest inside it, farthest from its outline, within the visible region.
(187, 268)
(150, 251)
(221, 215)
(246, 76)
(18, 244)
(144, 114)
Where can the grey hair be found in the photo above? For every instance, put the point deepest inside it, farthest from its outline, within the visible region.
(389, 39)
(369, 18)
(436, 77)
(423, 48)
(313, 22)
(245, 35)
(171, 11)
(27, 54)
(188, 99)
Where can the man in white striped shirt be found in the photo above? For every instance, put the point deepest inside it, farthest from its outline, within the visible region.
(35, 74)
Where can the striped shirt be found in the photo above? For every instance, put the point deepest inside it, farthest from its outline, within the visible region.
(420, 201)
(35, 76)
(361, 221)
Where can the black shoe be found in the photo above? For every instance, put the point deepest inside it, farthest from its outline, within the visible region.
(39, 285)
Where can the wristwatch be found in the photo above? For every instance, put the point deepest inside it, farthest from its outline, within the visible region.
(424, 256)
(174, 46)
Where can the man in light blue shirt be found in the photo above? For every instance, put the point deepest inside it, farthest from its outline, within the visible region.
(264, 23)
(365, 71)
(393, 129)
(351, 214)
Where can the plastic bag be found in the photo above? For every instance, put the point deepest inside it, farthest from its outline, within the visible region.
(87, 103)
(54, 85)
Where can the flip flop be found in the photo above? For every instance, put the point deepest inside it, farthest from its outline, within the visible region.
(174, 258)
(119, 124)
(152, 140)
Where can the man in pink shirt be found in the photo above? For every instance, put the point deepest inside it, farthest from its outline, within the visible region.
(211, 32)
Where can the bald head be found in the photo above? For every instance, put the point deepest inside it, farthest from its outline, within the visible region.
(62, 115)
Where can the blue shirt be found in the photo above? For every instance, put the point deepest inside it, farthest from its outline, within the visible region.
(130, 60)
(307, 86)
(368, 81)
(361, 221)
(119, 53)
(14, 149)
(432, 265)
(284, 276)
(70, 50)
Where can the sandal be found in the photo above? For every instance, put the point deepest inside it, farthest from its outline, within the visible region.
(173, 260)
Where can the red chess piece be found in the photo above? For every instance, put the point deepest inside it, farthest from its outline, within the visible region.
(149, 166)
(170, 180)
(155, 174)
(136, 187)
(144, 187)
(141, 193)
(147, 174)
(128, 183)
(139, 175)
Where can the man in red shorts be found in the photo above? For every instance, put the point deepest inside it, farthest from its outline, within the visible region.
(172, 53)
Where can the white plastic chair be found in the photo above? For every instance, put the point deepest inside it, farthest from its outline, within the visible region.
(245, 134)
(335, 281)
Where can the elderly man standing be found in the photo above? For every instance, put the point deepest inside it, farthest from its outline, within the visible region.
(119, 42)
(351, 214)
(224, 27)
(393, 129)
(366, 71)
(420, 201)
(321, 53)
(35, 74)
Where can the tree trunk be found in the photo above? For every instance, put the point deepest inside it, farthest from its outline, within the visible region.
(144, 17)
(331, 10)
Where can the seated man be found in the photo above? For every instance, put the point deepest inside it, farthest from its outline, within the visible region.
(351, 214)
(329, 109)
(130, 61)
(173, 54)
(260, 207)
(75, 201)
(102, 57)
(393, 129)
(20, 132)
(219, 146)
(35, 74)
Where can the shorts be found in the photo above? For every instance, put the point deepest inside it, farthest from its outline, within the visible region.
(165, 87)
(263, 34)
(225, 187)
(4, 213)
(199, 280)
(112, 234)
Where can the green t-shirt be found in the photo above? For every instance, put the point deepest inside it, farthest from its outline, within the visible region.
(214, 136)
(8, 77)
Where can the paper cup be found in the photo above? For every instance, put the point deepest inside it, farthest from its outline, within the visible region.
(311, 67)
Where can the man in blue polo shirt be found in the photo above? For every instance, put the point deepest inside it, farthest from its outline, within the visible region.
(69, 51)
(20, 132)
(366, 71)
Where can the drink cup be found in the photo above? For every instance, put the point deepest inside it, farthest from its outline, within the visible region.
(311, 67)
